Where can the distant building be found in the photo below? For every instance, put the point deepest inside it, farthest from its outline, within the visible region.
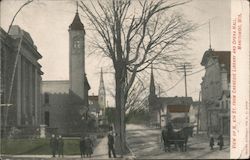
(215, 92)
(168, 109)
(26, 92)
(66, 102)
(94, 106)
(194, 115)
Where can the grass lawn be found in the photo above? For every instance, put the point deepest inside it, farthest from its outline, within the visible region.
(37, 146)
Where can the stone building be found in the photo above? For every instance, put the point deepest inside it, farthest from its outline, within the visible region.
(168, 109)
(25, 97)
(65, 102)
(215, 92)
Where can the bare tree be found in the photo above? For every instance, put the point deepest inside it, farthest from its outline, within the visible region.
(134, 39)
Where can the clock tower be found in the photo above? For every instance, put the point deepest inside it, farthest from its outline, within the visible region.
(77, 75)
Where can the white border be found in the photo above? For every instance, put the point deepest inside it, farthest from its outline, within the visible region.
(239, 137)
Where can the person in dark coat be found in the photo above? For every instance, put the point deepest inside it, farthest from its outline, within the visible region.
(111, 142)
(220, 141)
(60, 146)
(164, 138)
(211, 142)
(53, 145)
(82, 147)
(88, 146)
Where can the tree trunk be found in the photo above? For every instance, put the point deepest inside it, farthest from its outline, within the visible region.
(120, 112)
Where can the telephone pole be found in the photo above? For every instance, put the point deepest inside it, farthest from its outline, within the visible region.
(186, 67)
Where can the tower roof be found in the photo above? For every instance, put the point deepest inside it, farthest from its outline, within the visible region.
(76, 24)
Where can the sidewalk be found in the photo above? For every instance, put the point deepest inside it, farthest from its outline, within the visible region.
(101, 150)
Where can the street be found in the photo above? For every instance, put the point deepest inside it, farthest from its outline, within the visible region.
(145, 144)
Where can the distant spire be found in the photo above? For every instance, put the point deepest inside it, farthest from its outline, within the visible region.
(152, 83)
(209, 35)
(76, 6)
(101, 78)
(102, 92)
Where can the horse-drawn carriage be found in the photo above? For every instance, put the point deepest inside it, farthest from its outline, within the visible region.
(177, 137)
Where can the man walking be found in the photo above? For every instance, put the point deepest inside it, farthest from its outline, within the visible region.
(88, 146)
(221, 141)
(211, 142)
(111, 142)
(53, 145)
(60, 146)
(82, 147)
(164, 138)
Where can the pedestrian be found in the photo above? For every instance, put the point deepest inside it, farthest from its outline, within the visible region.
(111, 142)
(60, 146)
(164, 138)
(220, 141)
(88, 146)
(82, 147)
(53, 145)
(211, 142)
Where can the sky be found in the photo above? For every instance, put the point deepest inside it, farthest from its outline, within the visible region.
(47, 21)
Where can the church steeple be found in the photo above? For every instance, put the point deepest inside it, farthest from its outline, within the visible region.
(152, 83)
(102, 92)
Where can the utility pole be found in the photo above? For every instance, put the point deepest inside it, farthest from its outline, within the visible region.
(198, 114)
(186, 67)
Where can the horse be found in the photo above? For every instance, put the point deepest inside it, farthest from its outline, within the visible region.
(183, 136)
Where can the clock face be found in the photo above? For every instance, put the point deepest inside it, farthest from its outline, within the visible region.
(77, 45)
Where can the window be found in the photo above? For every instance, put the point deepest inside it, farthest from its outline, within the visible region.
(2, 98)
(46, 118)
(46, 98)
(227, 104)
(222, 105)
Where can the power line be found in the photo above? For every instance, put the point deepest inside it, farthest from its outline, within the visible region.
(201, 69)
(175, 84)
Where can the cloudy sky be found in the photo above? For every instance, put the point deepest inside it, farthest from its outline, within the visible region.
(47, 22)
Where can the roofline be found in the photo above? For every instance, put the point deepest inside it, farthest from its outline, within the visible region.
(55, 81)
